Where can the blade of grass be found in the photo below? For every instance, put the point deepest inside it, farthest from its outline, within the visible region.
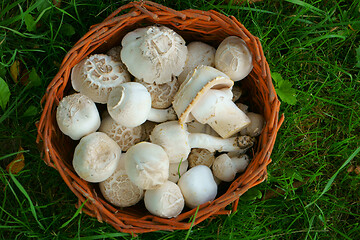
(32, 207)
(331, 180)
(75, 215)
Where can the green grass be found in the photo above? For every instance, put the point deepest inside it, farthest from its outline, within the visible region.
(312, 44)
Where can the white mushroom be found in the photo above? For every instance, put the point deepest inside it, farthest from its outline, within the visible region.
(234, 58)
(221, 113)
(198, 186)
(96, 157)
(177, 142)
(130, 106)
(161, 94)
(176, 170)
(199, 53)
(154, 54)
(125, 137)
(97, 75)
(119, 190)
(225, 168)
(206, 94)
(147, 165)
(77, 116)
(200, 156)
(256, 126)
(165, 201)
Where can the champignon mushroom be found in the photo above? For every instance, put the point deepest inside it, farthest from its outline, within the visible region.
(97, 75)
(161, 94)
(125, 137)
(119, 190)
(256, 126)
(177, 142)
(198, 186)
(77, 116)
(199, 53)
(176, 170)
(206, 94)
(147, 165)
(130, 106)
(225, 168)
(154, 54)
(96, 157)
(234, 58)
(165, 201)
(200, 156)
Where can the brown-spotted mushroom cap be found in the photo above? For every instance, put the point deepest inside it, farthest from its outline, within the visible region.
(234, 58)
(77, 116)
(200, 156)
(96, 157)
(199, 53)
(119, 190)
(125, 137)
(97, 75)
(162, 95)
(154, 54)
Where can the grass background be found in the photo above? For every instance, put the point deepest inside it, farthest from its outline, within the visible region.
(312, 44)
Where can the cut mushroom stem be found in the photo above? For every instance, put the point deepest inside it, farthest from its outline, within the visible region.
(211, 143)
(225, 168)
(221, 113)
(161, 115)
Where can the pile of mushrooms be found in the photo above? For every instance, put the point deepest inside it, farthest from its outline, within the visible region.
(173, 127)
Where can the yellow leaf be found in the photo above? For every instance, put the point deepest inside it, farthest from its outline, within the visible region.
(16, 165)
(15, 70)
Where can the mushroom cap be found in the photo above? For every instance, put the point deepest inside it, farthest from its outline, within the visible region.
(125, 137)
(165, 201)
(200, 156)
(163, 94)
(115, 52)
(77, 116)
(129, 104)
(119, 190)
(154, 54)
(96, 157)
(199, 53)
(97, 75)
(223, 168)
(175, 170)
(234, 58)
(197, 83)
(173, 138)
(147, 165)
(255, 127)
(198, 186)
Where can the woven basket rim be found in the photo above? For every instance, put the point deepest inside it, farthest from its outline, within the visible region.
(186, 20)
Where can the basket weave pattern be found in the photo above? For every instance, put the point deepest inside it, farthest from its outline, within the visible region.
(210, 27)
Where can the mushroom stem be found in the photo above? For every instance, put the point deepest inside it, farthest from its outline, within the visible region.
(211, 143)
(218, 110)
(161, 115)
(225, 167)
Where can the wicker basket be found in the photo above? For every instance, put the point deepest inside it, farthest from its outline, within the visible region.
(210, 27)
